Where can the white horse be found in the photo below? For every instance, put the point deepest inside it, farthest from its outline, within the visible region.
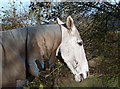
(21, 48)
(72, 50)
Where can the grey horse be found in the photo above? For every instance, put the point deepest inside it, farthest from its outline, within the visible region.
(21, 48)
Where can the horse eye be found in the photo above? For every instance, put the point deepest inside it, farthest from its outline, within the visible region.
(80, 43)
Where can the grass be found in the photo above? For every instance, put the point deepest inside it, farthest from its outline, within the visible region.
(92, 81)
(66, 80)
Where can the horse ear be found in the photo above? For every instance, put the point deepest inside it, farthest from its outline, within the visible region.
(69, 23)
(59, 21)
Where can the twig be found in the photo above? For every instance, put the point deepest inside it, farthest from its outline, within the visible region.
(53, 71)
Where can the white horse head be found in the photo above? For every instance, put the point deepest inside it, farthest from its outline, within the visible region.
(72, 51)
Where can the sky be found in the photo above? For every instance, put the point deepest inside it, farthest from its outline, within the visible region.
(4, 3)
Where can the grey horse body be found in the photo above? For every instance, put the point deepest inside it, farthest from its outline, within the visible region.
(26, 45)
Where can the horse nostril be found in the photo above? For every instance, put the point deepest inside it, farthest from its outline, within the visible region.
(87, 73)
(81, 75)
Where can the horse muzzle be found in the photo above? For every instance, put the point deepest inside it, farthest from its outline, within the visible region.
(81, 77)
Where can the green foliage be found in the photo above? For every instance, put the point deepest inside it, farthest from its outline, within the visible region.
(111, 81)
(36, 83)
